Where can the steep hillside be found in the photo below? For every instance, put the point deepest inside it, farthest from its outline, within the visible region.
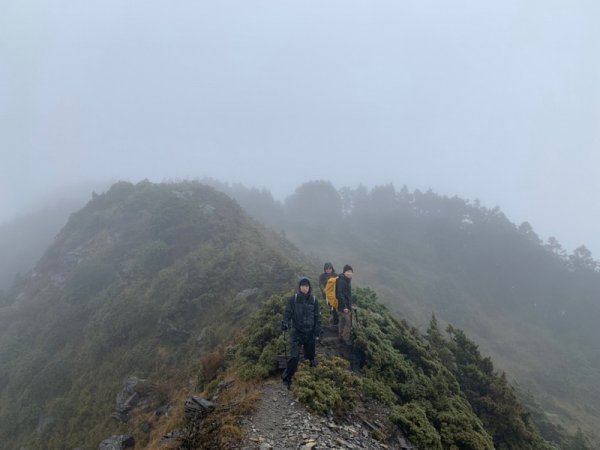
(147, 279)
(24, 240)
(139, 283)
(403, 389)
(529, 304)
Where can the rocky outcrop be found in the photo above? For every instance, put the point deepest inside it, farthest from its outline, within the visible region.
(126, 400)
(171, 333)
(196, 408)
(246, 295)
(119, 442)
(174, 437)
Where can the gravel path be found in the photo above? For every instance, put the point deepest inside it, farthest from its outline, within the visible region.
(281, 422)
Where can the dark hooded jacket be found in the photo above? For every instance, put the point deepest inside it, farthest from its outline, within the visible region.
(303, 312)
(343, 292)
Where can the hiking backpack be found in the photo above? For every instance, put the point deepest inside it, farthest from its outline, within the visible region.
(330, 292)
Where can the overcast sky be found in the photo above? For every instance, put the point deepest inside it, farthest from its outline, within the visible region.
(496, 100)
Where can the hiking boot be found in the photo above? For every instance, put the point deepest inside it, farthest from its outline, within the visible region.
(313, 363)
(288, 383)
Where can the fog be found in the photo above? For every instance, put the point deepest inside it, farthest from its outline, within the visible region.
(498, 101)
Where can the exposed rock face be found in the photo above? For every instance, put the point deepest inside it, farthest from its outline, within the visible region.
(119, 442)
(174, 437)
(171, 333)
(246, 295)
(126, 400)
(196, 408)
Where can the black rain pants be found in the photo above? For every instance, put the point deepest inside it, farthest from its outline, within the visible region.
(299, 339)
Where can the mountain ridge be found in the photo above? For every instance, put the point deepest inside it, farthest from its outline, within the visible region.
(131, 269)
(141, 281)
(528, 303)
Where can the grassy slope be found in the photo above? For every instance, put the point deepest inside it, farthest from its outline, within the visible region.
(131, 267)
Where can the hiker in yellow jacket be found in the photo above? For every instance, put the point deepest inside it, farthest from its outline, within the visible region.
(328, 272)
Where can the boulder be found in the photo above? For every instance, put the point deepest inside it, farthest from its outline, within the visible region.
(126, 400)
(173, 437)
(196, 408)
(117, 442)
(146, 427)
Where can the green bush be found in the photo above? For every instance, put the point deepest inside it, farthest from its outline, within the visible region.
(262, 342)
(328, 387)
(413, 421)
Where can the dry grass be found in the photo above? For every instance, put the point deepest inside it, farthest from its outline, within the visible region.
(220, 429)
(211, 364)
(223, 428)
(162, 425)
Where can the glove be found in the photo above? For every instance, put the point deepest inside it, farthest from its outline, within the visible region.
(284, 325)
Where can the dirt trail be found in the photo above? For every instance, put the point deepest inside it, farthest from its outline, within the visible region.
(281, 422)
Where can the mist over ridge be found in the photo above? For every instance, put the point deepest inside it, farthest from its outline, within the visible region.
(164, 252)
(496, 102)
(447, 150)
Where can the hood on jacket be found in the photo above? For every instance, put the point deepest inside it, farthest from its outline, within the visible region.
(302, 281)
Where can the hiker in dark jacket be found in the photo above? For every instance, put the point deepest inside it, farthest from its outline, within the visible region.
(343, 292)
(328, 272)
(304, 315)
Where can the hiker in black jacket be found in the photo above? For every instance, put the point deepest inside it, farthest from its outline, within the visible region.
(328, 272)
(303, 312)
(343, 292)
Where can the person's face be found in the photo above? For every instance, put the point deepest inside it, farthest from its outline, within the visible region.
(348, 274)
(304, 288)
(328, 270)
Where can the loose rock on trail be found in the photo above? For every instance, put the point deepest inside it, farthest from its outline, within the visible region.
(281, 422)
